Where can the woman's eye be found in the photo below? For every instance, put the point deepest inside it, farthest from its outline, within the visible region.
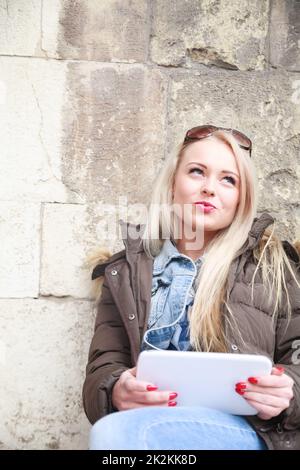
(230, 179)
(196, 169)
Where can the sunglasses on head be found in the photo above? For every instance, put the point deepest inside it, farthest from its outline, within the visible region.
(200, 132)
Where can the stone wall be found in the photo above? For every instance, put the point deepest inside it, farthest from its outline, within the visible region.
(94, 94)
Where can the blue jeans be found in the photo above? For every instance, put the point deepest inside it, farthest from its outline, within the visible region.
(182, 428)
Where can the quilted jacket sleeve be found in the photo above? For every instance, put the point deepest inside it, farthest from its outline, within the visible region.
(109, 356)
(287, 352)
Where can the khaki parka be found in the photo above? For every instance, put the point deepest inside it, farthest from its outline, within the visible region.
(123, 310)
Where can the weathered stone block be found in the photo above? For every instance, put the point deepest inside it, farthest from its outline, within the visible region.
(65, 247)
(31, 131)
(108, 31)
(114, 130)
(230, 35)
(46, 344)
(71, 234)
(20, 249)
(20, 27)
(285, 34)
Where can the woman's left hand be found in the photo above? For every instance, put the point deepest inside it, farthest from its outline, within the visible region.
(269, 394)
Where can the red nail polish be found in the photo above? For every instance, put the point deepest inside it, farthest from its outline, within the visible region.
(241, 385)
(172, 403)
(173, 395)
(253, 380)
(151, 388)
(240, 391)
(280, 369)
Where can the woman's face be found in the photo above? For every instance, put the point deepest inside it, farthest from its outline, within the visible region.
(207, 174)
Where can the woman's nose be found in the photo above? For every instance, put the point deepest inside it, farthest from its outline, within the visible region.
(208, 188)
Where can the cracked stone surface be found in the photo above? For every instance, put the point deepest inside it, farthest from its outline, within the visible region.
(218, 33)
(30, 131)
(42, 391)
(114, 130)
(108, 31)
(285, 35)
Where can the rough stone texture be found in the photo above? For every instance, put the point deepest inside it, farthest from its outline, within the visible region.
(225, 34)
(30, 131)
(106, 30)
(20, 27)
(285, 34)
(65, 243)
(41, 380)
(71, 234)
(114, 130)
(20, 249)
(262, 106)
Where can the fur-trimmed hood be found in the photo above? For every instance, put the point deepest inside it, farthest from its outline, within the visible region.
(101, 257)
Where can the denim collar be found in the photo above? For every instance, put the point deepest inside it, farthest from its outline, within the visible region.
(169, 251)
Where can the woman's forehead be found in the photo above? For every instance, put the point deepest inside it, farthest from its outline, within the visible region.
(209, 151)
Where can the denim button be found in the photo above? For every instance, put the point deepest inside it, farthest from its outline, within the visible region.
(234, 347)
(131, 316)
(114, 272)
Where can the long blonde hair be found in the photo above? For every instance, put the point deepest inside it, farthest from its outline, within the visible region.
(206, 319)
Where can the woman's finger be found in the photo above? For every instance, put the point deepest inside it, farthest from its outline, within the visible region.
(274, 380)
(268, 400)
(131, 384)
(265, 411)
(284, 392)
(155, 398)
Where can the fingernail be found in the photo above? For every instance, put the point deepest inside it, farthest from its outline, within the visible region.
(173, 395)
(240, 391)
(172, 403)
(150, 388)
(241, 385)
(253, 380)
(280, 369)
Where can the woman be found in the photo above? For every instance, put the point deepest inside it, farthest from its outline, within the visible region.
(204, 274)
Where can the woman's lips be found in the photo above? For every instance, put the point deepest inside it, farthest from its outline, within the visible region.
(205, 208)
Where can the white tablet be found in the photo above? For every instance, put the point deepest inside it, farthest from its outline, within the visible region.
(201, 378)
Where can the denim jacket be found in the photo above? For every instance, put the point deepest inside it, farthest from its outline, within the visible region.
(172, 295)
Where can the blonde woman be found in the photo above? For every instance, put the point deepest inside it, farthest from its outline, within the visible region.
(205, 274)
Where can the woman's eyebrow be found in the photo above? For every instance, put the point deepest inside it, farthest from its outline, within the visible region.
(204, 166)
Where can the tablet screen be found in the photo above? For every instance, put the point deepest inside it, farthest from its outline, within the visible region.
(203, 379)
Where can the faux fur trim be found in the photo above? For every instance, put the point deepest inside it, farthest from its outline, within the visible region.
(100, 255)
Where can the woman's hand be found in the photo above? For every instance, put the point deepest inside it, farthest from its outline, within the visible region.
(128, 393)
(270, 394)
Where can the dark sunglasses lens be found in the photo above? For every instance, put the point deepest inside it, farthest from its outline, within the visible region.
(199, 132)
(243, 140)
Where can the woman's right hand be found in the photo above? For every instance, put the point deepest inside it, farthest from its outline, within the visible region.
(129, 393)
